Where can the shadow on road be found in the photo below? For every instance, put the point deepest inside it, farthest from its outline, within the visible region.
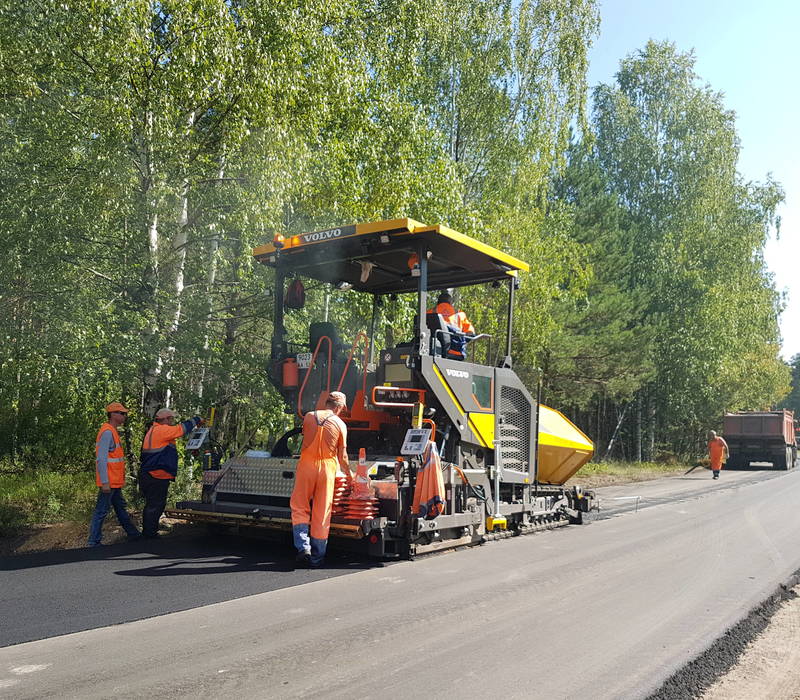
(46, 594)
(753, 468)
(191, 555)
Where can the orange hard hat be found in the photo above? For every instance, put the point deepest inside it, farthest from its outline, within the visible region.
(116, 407)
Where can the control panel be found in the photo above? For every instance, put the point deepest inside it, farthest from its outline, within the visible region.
(197, 438)
(416, 441)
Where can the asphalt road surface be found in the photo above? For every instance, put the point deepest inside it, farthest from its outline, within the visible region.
(609, 610)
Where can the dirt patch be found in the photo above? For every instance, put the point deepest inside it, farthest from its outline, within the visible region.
(73, 535)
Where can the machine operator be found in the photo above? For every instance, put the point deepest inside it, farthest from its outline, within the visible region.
(458, 322)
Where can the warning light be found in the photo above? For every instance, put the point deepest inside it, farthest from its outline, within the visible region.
(373, 539)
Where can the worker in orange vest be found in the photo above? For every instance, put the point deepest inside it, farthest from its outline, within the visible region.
(324, 449)
(717, 451)
(159, 465)
(459, 323)
(110, 476)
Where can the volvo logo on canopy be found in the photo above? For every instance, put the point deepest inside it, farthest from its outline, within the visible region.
(327, 235)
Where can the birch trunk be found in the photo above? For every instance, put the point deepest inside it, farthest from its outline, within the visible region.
(152, 399)
(179, 244)
(211, 278)
(639, 429)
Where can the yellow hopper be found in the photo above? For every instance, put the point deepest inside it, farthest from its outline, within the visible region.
(563, 448)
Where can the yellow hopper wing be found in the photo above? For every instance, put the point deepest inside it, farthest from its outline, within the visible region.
(563, 448)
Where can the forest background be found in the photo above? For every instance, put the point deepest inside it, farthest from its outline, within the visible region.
(147, 147)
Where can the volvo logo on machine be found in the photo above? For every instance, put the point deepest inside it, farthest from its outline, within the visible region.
(460, 373)
(322, 235)
(328, 234)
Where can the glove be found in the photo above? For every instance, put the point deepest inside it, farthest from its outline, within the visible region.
(198, 420)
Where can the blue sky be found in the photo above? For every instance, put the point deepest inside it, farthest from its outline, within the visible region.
(750, 52)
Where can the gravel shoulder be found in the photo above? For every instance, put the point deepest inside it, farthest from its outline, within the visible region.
(770, 665)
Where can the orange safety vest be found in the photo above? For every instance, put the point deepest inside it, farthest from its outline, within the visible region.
(159, 453)
(116, 459)
(457, 319)
(429, 490)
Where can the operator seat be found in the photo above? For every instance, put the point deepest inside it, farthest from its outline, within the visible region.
(440, 333)
(318, 380)
(317, 330)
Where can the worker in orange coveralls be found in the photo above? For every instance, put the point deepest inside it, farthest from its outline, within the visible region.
(458, 322)
(324, 448)
(717, 451)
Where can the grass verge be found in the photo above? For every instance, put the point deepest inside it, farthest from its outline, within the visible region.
(44, 496)
(595, 474)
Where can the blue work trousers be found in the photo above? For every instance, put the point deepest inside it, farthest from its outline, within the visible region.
(155, 500)
(105, 502)
(309, 545)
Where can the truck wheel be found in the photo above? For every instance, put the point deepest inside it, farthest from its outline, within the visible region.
(781, 461)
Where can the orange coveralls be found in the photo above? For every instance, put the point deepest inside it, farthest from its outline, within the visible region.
(716, 450)
(324, 442)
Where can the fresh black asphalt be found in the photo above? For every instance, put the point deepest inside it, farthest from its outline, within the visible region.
(52, 593)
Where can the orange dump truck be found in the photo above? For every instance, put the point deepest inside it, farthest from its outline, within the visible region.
(761, 436)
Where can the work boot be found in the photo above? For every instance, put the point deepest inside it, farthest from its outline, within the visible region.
(302, 560)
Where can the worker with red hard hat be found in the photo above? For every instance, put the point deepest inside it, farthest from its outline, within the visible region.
(110, 476)
(324, 450)
(159, 465)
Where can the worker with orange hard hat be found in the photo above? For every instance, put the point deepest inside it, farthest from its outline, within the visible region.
(324, 449)
(110, 476)
(159, 465)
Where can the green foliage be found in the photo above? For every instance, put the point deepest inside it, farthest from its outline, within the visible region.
(44, 496)
(148, 147)
(792, 401)
(692, 234)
